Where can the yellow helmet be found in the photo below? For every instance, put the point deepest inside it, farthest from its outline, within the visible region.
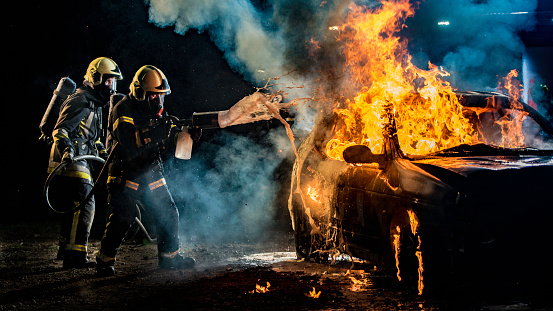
(100, 69)
(149, 79)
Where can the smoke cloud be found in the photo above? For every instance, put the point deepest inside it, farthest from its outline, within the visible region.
(227, 190)
(476, 41)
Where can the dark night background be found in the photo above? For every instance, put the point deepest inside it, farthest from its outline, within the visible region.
(46, 40)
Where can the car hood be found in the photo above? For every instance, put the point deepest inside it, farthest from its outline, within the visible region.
(465, 166)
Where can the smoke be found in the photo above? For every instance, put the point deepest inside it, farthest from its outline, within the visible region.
(264, 39)
(261, 39)
(477, 41)
(227, 190)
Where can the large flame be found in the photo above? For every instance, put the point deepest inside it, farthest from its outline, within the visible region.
(379, 65)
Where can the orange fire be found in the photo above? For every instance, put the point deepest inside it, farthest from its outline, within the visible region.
(379, 65)
(358, 285)
(313, 293)
(260, 289)
(314, 194)
(414, 223)
(511, 123)
(396, 250)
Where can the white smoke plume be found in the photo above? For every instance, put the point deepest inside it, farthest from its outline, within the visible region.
(227, 190)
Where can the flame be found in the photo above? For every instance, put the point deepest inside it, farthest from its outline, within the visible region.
(313, 193)
(396, 250)
(379, 66)
(414, 223)
(511, 123)
(313, 293)
(358, 285)
(418, 253)
(260, 289)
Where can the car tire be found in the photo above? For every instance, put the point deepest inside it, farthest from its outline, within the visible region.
(308, 246)
(302, 228)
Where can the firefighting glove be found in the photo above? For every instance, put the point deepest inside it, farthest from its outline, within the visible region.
(161, 132)
(68, 155)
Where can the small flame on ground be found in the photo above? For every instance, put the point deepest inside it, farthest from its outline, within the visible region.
(260, 289)
(358, 285)
(313, 293)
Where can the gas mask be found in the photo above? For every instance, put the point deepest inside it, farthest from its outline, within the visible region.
(155, 102)
(108, 88)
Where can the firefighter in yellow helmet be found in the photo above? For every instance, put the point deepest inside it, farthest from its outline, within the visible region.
(138, 127)
(78, 131)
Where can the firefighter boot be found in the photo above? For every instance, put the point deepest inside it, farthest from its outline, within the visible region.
(177, 262)
(104, 268)
(76, 259)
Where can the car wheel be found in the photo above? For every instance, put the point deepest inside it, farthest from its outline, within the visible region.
(308, 246)
(302, 230)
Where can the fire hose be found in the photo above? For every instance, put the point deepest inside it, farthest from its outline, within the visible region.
(78, 206)
(61, 166)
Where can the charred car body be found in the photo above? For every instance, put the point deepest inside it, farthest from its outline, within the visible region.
(468, 209)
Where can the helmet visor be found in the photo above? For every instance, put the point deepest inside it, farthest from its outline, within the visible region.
(111, 84)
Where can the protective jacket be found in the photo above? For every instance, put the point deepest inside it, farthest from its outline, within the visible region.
(141, 134)
(79, 128)
(135, 174)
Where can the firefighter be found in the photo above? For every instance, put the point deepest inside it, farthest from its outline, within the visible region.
(78, 132)
(140, 131)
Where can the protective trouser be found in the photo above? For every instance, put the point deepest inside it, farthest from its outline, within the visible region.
(65, 193)
(151, 190)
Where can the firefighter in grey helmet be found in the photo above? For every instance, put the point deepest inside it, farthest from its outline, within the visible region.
(78, 131)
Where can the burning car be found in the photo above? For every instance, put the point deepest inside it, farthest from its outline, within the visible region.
(433, 213)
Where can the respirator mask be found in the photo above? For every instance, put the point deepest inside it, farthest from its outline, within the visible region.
(108, 88)
(155, 102)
